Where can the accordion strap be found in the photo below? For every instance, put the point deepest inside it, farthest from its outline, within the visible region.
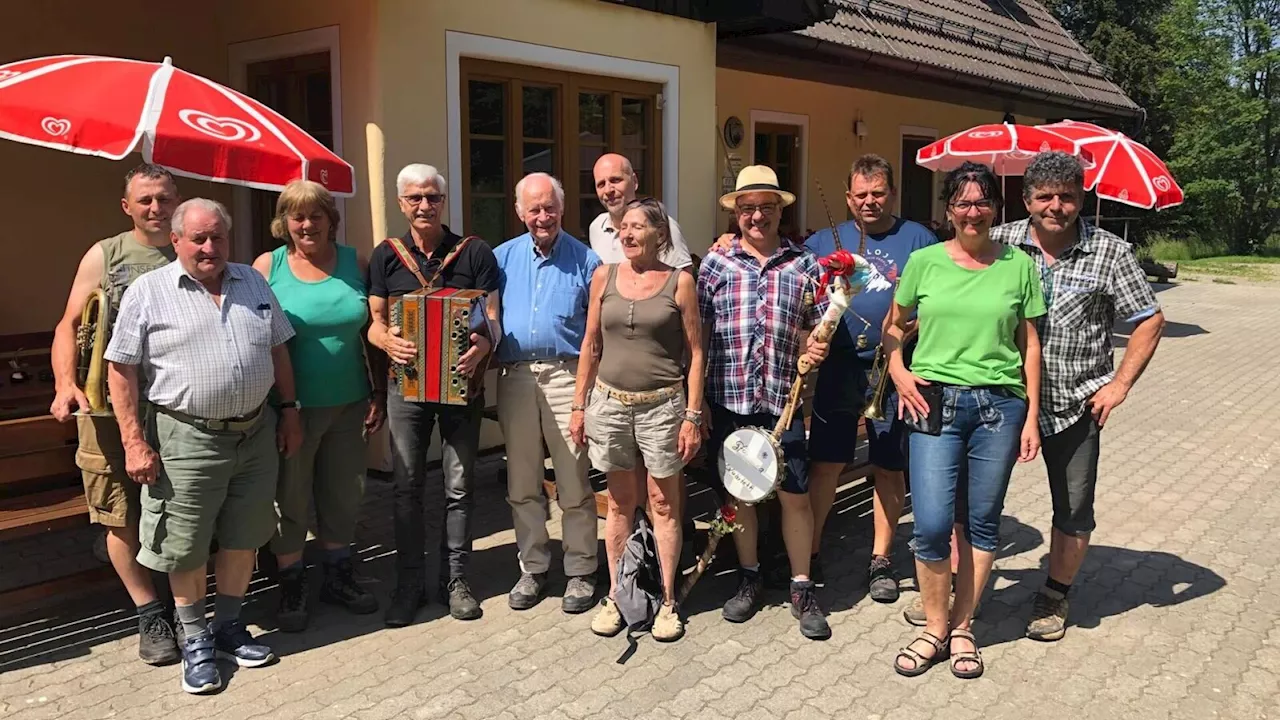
(406, 258)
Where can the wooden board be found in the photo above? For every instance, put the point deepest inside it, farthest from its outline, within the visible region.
(35, 433)
(41, 512)
(52, 462)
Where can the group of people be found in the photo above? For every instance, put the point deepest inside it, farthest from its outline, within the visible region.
(242, 396)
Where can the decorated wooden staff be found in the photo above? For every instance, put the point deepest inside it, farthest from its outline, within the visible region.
(751, 462)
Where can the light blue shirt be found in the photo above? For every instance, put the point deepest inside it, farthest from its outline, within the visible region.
(544, 299)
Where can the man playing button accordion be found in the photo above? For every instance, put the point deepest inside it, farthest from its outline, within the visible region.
(203, 341)
(757, 299)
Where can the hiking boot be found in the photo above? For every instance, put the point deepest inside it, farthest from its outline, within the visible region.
(579, 594)
(608, 621)
(462, 604)
(1048, 618)
(746, 602)
(667, 627)
(882, 580)
(340, 588)
(914, 613)
(805, 608)
(200, 664)
(528, 591)
(156, 642)
(233, 642)
(408, 597)
(292, 614)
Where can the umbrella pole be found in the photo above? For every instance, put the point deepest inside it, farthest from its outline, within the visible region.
(1097, 213)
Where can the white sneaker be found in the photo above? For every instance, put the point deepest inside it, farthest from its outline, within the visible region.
(608, 621)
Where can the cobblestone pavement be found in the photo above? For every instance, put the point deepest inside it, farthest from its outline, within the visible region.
(1176, 613)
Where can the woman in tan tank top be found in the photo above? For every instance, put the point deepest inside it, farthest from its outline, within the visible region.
(641, 427)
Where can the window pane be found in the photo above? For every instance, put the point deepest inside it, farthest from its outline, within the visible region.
(640, 163)
(486, 107)
(587, 156)
(786, 148)
(319, 115)
(539, 157)
(635, 122)
(588, 209)
(488, 219)
(539, 109)
(593, 117)
(487, 166)
(762, 150)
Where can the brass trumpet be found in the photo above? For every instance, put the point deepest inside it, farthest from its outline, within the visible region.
(91, 343)
(875, 407)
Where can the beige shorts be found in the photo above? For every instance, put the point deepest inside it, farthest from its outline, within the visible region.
(617, 432)
(111, 495)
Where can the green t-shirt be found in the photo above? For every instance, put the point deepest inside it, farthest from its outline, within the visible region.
(969, 318)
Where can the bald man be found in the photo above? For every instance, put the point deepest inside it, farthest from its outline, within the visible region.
(616, 184)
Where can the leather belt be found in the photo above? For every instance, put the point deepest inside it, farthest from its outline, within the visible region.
(234, 424)
(648, 397)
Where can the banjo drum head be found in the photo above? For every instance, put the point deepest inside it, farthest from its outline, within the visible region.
(749, 464)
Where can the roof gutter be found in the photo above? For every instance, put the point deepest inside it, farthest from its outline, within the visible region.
(809, 46)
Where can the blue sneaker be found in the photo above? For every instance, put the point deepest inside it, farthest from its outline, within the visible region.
(200, 664)
(234, 643)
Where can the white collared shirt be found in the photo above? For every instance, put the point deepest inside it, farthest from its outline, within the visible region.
(604, 240)
(192, 355)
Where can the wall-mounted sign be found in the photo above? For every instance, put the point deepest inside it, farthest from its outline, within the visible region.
(733, 132)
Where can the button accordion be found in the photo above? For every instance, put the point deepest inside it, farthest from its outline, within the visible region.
(440, 324)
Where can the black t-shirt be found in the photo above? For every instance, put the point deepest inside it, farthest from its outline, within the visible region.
(475, 268)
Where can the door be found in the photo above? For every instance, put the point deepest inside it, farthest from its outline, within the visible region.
(778, 146)
(297, 87)
(916, 193)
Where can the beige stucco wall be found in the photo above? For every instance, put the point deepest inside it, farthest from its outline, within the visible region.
(830, 111)
(55, 205)
(412, 61)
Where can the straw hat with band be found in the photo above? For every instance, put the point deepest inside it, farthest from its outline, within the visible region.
(756, 178)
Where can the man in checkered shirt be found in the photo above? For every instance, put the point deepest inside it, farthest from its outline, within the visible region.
(202, 340)
(757, 300)
(1091, 278)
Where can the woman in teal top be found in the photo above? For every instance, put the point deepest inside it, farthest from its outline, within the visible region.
(322, 288)
(976, 301)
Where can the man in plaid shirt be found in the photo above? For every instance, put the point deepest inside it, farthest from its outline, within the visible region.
(757, 300)
(1091, 278)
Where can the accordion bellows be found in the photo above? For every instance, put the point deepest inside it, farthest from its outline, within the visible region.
(440, 324)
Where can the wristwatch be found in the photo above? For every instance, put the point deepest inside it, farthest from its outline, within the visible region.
(294, 404)
(694, 417)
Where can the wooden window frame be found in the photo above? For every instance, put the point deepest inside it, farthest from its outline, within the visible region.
(565, 137)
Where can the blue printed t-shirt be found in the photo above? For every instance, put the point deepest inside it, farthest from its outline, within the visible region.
(544, 299)
(887, 252)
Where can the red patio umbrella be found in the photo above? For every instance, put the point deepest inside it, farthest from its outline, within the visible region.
(107, 107)
(1007, 148)
(1125, 170)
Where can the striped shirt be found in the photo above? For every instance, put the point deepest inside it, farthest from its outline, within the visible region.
(193, 356)
(758, 316)
(1091, 284)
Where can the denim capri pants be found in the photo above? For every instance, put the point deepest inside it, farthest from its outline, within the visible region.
(981, 434)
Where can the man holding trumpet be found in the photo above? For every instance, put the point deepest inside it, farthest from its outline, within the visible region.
(847, 382)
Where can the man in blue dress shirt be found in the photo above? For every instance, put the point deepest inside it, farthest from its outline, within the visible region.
(544, 278)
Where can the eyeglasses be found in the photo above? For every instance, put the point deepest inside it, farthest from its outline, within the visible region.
(767, 210)
(433, 198)
(964, 205)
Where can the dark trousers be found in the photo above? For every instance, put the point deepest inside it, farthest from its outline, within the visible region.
(410, 424)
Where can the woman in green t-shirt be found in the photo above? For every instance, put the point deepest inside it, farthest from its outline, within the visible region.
(978, 356)
(322, 287)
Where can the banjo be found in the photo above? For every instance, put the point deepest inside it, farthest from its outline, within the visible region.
(751, 459)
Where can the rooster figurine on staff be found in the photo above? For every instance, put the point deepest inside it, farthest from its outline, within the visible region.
(751, 462)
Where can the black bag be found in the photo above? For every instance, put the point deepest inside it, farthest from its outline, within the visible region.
(930, 424)
(639, 594)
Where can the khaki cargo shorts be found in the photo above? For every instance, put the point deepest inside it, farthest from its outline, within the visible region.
(618, 431)
(111, 495)
(210, 482)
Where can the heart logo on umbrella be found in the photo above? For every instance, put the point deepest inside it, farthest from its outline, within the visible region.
(223, 128)
(6, 74)
(324, 177)
(56, 126)
(1161, 182)
(979, 134)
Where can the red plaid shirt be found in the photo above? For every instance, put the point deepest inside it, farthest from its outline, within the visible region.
(758, 317)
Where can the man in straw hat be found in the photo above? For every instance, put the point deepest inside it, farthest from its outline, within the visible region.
(757, 300)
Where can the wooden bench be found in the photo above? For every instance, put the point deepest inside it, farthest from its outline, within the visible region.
(40, 486)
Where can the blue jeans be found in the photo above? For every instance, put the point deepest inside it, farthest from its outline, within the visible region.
(981, 432)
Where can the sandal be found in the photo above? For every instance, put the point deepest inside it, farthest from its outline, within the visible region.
(972, 656)
(921, 662)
